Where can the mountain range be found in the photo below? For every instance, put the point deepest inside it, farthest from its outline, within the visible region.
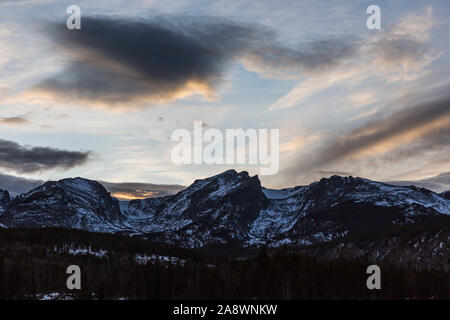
(138, 190)
(333, 217)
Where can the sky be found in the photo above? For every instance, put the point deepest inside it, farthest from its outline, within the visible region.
(103, 101)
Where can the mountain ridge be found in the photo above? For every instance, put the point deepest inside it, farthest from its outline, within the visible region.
(233, 209)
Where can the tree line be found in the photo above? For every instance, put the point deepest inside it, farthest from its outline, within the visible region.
(34, 262)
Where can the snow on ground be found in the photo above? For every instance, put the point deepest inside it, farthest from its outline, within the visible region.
(79, 251)
(144, 259)
(54, 296)
(67, 296)
(88, 251)
(138, 258)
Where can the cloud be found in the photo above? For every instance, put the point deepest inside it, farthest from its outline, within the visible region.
(17, 185)
(24, 159)
(333, 173)
(407, 134)
(132, 190)
(401, 53)
(360, 99)
(439, 183)
(116, 61)
(364, 114)
(314, 85)
(14, 120)
(297, 142)
(317, 56)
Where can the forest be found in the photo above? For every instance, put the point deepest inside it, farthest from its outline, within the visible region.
(33, 263)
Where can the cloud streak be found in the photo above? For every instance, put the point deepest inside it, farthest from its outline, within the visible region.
(14, 120)
(403, 135)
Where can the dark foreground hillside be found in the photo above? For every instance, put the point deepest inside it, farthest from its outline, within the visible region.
(33, 265)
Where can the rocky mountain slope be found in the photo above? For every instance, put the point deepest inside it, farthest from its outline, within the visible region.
(234, 209)
(219, 209)
(70, 203)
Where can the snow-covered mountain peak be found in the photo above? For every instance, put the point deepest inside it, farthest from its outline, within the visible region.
(82, 188)
(231, 207)
(75, 203)
(337, 189)
(221, 184)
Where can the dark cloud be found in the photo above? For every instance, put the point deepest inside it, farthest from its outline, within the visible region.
(406, 134)
(35, 159)
(17, 185)
(131, 190)
(14, 120)
(115, 60)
